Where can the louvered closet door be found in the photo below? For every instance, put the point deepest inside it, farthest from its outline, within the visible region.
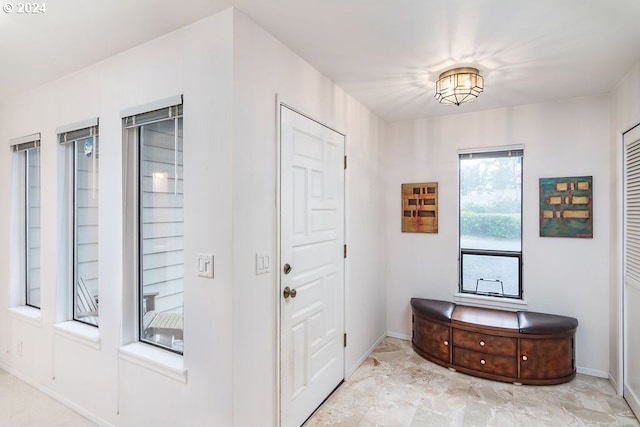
(631, 141)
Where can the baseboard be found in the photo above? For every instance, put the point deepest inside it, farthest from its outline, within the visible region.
(360, 361)
(593, 372)
(614, 384)
(399, 336)
(63, 400)
(632, 400)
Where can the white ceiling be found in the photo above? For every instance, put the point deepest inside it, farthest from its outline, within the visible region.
(386, 53)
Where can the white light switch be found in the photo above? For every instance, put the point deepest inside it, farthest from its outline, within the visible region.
(263, 263)
(205, 265)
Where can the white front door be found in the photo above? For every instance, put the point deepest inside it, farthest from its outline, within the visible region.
(631, 290)
(311, 265)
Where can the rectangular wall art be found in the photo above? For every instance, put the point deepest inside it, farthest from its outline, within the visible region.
(420, 208)
(566, 207)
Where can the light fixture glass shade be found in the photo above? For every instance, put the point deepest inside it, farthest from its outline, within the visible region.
(459, 85)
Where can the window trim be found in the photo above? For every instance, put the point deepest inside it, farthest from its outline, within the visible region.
(132, 128)
(486, 153)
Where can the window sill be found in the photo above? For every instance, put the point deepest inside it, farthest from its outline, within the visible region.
(491, 302)
(79, 332)
(163, 362)
(26, 313)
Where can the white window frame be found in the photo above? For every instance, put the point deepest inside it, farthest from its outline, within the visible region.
(135, 301)
(69, 136)
(485, 298)
(22, 147)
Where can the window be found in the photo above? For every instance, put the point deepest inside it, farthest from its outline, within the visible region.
(82, 157)
(491, 223)
(27, 152)
(155, 144)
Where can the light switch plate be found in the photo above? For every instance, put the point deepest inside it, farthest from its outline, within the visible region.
(205, 265)
(263, 263)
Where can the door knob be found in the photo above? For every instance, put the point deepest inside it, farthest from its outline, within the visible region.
(288, 292)
(286, 268)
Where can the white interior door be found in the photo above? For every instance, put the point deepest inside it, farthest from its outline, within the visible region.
(312, 265)
(631, 291)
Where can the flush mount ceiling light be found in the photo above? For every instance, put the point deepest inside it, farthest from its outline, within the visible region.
(459, 85)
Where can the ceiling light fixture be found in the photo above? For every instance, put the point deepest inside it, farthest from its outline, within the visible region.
(459, 85)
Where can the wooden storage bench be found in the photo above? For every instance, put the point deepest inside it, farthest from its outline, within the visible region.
(521, 347)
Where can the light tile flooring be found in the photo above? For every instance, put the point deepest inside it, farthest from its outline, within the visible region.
(22, 405)
(396, 387)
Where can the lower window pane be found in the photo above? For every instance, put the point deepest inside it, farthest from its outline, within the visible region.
(162, 234)
(491, 274)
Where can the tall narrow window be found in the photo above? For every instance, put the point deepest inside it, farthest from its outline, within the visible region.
(28, 151)
(83, 158)
(157, 143)
(491, 223)
(32, 226)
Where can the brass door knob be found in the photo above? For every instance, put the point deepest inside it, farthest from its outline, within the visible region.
(286, 269)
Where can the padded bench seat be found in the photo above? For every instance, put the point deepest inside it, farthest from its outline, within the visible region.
(531, 322)
(433, 309)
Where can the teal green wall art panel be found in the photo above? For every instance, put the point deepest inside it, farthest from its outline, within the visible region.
(566, 207)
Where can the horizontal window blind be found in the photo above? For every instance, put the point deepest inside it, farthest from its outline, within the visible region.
(75, 132)
(24, 143)
(138, 116)
(492, 154)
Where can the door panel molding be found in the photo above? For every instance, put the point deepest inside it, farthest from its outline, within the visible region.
(311, 235)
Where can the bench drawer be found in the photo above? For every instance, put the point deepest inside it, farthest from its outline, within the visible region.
(488, 363)
(485, 343)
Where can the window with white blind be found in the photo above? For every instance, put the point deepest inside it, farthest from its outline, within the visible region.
(82, 160)
(155, 146)
(491, 223)
(27, 177)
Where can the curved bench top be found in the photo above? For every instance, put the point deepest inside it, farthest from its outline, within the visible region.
(545, 324)
(527, 322)
(433, 309)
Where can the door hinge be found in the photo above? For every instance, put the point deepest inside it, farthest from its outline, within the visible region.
(345, 340)
(345, 162)
(345, 251)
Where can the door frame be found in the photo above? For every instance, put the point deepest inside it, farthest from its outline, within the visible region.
(620, 294)
(277, 261)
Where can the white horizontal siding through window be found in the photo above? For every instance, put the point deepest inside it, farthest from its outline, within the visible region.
(162, 217)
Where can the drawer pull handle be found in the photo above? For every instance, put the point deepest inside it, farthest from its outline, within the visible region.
(482, 361)
(446, 342)
(481, 343)
(525, 358)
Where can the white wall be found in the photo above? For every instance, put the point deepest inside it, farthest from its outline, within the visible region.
(263, 67)
(195, 61)
(229, 71)
(625, 113)
(560, 275)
